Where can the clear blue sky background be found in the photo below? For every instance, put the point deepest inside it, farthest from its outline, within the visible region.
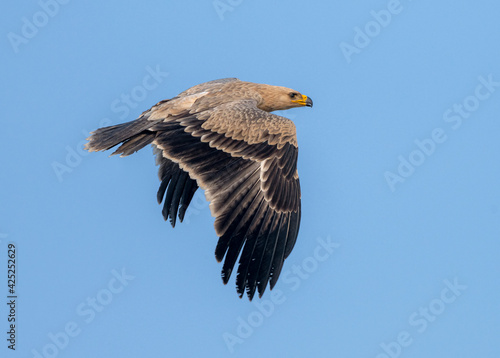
(406, 222)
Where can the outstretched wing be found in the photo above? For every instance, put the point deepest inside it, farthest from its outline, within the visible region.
(246, 161)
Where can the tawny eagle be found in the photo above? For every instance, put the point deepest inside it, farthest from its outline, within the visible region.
(221, 137)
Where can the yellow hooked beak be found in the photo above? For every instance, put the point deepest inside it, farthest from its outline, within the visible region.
(304, 101)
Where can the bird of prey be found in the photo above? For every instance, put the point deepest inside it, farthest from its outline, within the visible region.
(221, 137)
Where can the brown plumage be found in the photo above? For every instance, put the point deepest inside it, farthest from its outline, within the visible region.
(220, 136)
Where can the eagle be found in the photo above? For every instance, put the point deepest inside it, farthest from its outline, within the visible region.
(221, 136)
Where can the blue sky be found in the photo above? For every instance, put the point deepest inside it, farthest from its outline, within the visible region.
(397, 254)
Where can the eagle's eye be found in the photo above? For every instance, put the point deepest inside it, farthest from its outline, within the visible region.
(293, 95)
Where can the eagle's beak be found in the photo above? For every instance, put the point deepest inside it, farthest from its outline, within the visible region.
(304, 101)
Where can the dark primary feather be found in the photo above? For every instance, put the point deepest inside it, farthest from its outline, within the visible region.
(181, 188)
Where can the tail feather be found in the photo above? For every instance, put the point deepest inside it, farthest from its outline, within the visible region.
(134, 144)
(134, 136)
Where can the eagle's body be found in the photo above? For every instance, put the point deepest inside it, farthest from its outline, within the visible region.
(220, 136)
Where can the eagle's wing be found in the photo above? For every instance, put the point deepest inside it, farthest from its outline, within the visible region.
(246, 161)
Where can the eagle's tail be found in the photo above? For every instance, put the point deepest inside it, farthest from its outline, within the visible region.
(133, 135)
